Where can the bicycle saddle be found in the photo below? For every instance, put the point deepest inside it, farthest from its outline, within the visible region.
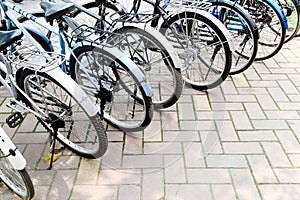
(9, 37)
(56, 10)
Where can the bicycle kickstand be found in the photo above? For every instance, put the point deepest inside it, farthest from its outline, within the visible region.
(56, 123)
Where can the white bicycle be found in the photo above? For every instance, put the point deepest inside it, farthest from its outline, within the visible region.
(38, 86)
(12, 168)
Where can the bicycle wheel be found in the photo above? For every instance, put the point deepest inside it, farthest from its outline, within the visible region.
(152, 56)
(83, 134)
(270, 25)
(292, 12)
(202, 47)
(130, 108)
(242, 29)
(17, 180)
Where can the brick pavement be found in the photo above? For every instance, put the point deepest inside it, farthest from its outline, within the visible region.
(237, 141)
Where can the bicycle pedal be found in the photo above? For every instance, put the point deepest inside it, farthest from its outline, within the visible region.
(14, 119)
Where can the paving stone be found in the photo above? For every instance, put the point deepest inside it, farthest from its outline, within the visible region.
(288, 141)
(129, 192)
(241, 120)
(288, 87)
(88, 172)
(295, 159)
(227, 106)
(288, 175)
(280, 191)
(261, 169)
(186, 111)
(226, 131)
(275, 154)
(277, 94)
(240, 98)
(174, 169)
(223, 191)
(244, 184)
(226, 161)
(145, 161)
(201, 103)
(63, 184)
(286, 114)
(254, 111)
(240, 80)
(119, 177)
(213, 115)
(186, 191)
(193, 155)
(270, 124)
(180, 136)
(257, 135)
(242, 148)
(94, 192)
(229, 88)
(266, 102)
(216, 175)
(163, 148)
(153, 185)
(210, 142)
(197, 125)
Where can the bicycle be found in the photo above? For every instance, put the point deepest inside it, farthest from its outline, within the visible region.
(199, 72)
(145, 46)
(13, 168)
(38, 86)
(239, 24)
(291, 10)
(122, 94)
(272, 25)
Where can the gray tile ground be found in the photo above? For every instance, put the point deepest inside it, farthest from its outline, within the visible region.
(238, 141)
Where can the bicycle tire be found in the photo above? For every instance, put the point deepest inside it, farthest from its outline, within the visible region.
(162, 74)
(265, 15)
(292, 12)
(211, 35)
(129, 97)
(17, 180)
(93, 141)
(243, 31)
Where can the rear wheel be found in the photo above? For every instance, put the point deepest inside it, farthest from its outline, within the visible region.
(270, 27)
(81, 133)
(156, 62)
(202, 47)
(129, 108)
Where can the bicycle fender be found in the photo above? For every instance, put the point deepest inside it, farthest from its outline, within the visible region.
(41, 35)
(131, 66)
(207, 15)
(6, 145)
(163, 40)
(280, 11)
(74, 89)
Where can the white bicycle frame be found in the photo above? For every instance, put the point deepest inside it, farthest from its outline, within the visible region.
(10, 150)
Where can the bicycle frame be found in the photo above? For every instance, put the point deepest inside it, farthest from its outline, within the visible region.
(10, 151)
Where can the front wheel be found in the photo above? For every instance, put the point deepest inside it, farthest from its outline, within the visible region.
(17, 180)
(81, 133)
